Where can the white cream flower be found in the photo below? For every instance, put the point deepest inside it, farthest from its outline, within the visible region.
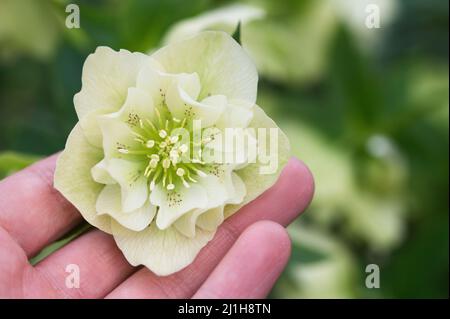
(133, 165)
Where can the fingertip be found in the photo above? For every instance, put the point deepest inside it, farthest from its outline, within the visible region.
(296, 171)
(270, 235)
(252, 265)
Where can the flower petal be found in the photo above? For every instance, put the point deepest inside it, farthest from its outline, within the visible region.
(238, 113)
(107, 75)
(222, 65)
(211, 219)
(217, 194)
(117, 137)
(181, 100)
(247, 151)
(162, 251)
(133, 183)
(74, 181)
(188, 84)
(109, 202)
(173, 204)
(100, 173)
(233, 146)
(255, 182)
(156, 82)
(137, 107)
(239, 190)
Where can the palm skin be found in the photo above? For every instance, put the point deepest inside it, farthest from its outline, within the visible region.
(244, 259)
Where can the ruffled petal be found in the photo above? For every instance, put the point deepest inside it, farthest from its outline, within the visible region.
(100, 173)
(256, 176)
(217, 193)
(211, 219)
(138, 107)
(133, 183)
(222, 65)
(155, 83)
(239, 190)
(118, 138)
(109, 202)
(74, 181)
(106, 77)
(233, 146)
(162, 251)
(181, 100)
(238, 113)
(173, 204)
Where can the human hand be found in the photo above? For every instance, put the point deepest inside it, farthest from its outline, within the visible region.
(244, 260)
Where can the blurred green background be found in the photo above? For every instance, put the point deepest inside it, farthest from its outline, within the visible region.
(366, 108)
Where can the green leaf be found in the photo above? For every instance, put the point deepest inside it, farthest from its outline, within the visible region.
(237, 33)
(67, 238)
(11, 162)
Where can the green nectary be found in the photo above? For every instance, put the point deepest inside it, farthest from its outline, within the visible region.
(162, 147)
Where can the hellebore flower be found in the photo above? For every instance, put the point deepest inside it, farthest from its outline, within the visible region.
(167, 146)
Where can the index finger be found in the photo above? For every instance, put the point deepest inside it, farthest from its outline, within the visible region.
(31, 210)
(281, 203)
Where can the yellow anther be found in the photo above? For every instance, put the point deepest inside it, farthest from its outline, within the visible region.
(162, 133)
(153, 163)
(150, 143)
(174, 139)
(166, 163)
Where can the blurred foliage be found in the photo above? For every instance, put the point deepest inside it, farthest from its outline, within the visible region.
(11, 162)
(366, 109)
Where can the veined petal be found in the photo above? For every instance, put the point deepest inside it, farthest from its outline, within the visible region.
(118, 137)
(217, 193)
(109, 202)
(137, 107)
(91, 127)
(211, 219)
(247, 152)
(74, 181)
(133, 184)
(239, 190)
(162, 251)
(255, 182)
(238, 113)
(182, 104)
(235, 147)
(156, 82)
(216, 189)
(189, 84)
(100, 173)
(106, 77)
(173, 204)
(222, 65)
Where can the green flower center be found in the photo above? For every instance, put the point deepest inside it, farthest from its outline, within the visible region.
(167, 156)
